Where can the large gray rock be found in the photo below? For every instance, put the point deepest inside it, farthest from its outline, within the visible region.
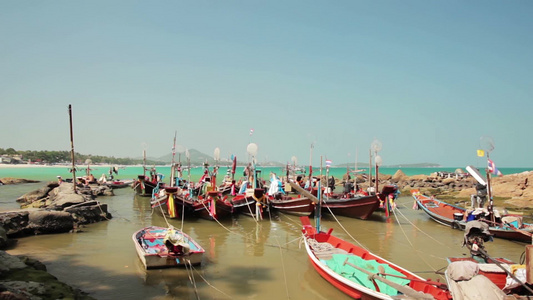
(15, 223)
(3, 238)
(27, 279)
(89, 212)
(38, 194)
(51, 221)
(64, 196)
(398, 176)
(9, 262)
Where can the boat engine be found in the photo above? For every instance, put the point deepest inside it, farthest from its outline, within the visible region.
(476, 234)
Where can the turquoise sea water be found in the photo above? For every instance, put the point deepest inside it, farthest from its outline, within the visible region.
(131, 172)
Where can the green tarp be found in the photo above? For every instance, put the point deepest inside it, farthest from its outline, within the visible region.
(336, 264)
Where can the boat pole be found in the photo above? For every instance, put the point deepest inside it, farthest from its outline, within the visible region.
(489, 192)
(319, 196)
(72, 148)
(369, 168)
(377, 172)
(173, 163)
(311, 168)
(506, 271)
(144, 163)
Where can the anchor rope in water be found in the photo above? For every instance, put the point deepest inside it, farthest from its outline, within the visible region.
(209, 284)
(344, 229)
(246, 236)
(283, 267)
(410, 243)
(188, 267)
(396, 210)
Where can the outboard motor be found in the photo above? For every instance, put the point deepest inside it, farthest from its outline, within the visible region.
(476, 234)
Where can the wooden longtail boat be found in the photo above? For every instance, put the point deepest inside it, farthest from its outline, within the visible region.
(361, 274)
(254, 203)
(159, 247)
(118, 184)
(489, 269)
(213, 206)
(454, 216)
(143, 186)
(176, 201)
(297, 205)
(356, 206)
(481, 276)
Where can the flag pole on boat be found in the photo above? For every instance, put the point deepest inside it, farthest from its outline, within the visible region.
(311, 168)
(215, 169)
(487, 144)
(144, 162)
(252, 152)
(172, 164)
(72, 149)
(188, 156)
(319, 196)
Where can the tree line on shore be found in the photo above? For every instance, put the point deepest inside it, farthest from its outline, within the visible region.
(56, 157)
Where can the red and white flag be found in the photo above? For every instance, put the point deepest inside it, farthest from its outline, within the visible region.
(493, 169)
(251, 131)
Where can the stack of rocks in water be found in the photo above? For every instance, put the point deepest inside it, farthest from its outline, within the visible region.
(433, 181)
(56, 209)
(51, 209)
(25, 278)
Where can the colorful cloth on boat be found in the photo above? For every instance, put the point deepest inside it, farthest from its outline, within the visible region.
(336, 263)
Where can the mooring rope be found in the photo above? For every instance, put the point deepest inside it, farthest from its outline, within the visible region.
(188, 267)
(283, 267)
(344, 229)
(209, 284)
(410, 243)
(396, 210)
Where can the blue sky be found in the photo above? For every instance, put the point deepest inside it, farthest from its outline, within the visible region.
(427, 79)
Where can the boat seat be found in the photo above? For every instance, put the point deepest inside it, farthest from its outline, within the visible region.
(153, 243)
(324, 251)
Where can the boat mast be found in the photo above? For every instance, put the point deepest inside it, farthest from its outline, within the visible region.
(311, 168)
(489, 192)
(319, 196)
(215, 169)
(144, 163)
(370, 167)
(72, 148)
(172, 164)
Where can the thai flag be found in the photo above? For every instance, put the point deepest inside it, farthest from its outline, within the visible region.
(493, 169)
(328, 163)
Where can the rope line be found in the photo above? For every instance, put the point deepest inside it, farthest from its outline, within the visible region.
(209, 284)
(188, 267)
(283, 267)
(396, 210)
(344, 229)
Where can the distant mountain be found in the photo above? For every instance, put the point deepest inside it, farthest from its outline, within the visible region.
(198, 159)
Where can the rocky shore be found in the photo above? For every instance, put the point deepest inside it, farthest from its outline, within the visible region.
(53, 208)
(513, 191)
(24, 278)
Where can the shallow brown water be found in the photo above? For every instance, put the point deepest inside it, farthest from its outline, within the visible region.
(244, 259)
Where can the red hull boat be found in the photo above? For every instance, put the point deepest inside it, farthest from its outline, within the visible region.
(361, 274)
(298, 205)
(454, 216)
(360, 207)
